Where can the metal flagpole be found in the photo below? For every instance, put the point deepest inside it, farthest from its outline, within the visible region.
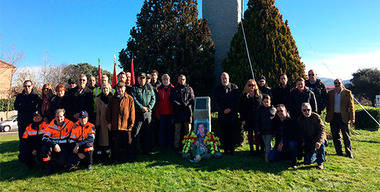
(245, 40)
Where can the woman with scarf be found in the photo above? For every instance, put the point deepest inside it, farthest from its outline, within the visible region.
(101, 136)
(47, 95)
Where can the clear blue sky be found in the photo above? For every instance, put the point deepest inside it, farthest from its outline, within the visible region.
(334, 37)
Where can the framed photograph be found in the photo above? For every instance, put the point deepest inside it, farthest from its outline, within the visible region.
(201, 127)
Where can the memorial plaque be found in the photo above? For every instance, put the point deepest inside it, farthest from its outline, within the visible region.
(202, 112)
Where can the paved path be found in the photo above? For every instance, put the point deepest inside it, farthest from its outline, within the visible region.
(8, 133)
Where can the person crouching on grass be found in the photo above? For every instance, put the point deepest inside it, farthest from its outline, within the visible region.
(56, 142)
(31, 147)
(314, 136)
(82, 141)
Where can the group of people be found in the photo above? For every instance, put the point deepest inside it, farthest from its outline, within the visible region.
(68, 128)
(289, 115)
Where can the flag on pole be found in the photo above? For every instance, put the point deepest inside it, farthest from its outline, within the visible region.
(132, 74)
(99, 74)
(114, 77)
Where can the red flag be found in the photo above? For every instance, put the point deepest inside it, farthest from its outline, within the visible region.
(99, 74)
(132, 73)
(114, 77)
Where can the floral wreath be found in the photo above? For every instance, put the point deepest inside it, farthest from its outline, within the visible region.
(211, 140)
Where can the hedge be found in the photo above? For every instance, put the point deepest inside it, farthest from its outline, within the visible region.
(4, 104)
(364, 121)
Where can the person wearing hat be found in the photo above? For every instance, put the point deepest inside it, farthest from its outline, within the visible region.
(31, 147)
(120, 117)
(82, 140)
(72, 86)
(262, 86)
(144, 97)
(148, 79)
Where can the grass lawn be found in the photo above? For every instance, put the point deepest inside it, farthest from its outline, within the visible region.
(169, 172)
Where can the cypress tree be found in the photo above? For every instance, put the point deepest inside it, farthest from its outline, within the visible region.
(272, 48)
(169, 37)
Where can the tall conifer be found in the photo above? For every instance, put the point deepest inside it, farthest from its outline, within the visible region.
(271, 45)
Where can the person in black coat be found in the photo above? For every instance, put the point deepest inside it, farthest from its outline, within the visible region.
(182, 99)
(281, 94)
(59, 101)
(288, 137)
(319, 89)
(263, 123)
(250, 100)
(26, 104)
(82, 100)
(226, 101)
(299, 95)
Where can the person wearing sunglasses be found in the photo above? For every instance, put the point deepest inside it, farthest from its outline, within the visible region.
(341, 113)
(250, 101)
(287, 136)
(318, 88)
(26, 103)
(82, 100)
(314, 136)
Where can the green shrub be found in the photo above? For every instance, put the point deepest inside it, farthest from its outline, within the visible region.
(364, 121)
(4, 104)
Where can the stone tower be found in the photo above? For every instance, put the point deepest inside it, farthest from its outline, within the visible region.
(223, 17)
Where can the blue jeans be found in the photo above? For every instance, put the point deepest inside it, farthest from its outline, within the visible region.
(166, 131)
(313, 155)
(289, 150)
(267, 143)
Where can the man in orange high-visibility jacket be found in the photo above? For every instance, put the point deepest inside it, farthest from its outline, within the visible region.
(56, 144)
(82, 140)
(31, 145)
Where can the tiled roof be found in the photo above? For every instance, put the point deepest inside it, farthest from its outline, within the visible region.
(4, 64)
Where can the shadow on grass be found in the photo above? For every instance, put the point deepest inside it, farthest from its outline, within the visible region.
(15, 170)
(8, 147)
(239, 161)
(365, 141)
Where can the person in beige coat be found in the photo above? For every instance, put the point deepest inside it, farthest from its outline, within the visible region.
(340, 113)
(121, 119)
(102, 138)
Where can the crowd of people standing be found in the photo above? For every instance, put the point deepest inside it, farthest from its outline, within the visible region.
(67, 128)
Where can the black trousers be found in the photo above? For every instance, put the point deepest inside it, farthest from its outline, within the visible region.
(337, 126)
(62, 158)
(119, 142)
(86, 149)
(26, 155)
(228, 125)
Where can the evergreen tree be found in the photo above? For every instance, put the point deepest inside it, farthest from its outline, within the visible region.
(169, 37)
(272, 48)
(74, 71)
(366, 83)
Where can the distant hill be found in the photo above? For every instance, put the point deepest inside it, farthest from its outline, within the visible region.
(330, 82)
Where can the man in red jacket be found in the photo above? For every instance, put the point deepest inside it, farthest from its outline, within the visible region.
(165, 112)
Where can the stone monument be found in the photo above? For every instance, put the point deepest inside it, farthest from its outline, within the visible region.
(223, 17)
